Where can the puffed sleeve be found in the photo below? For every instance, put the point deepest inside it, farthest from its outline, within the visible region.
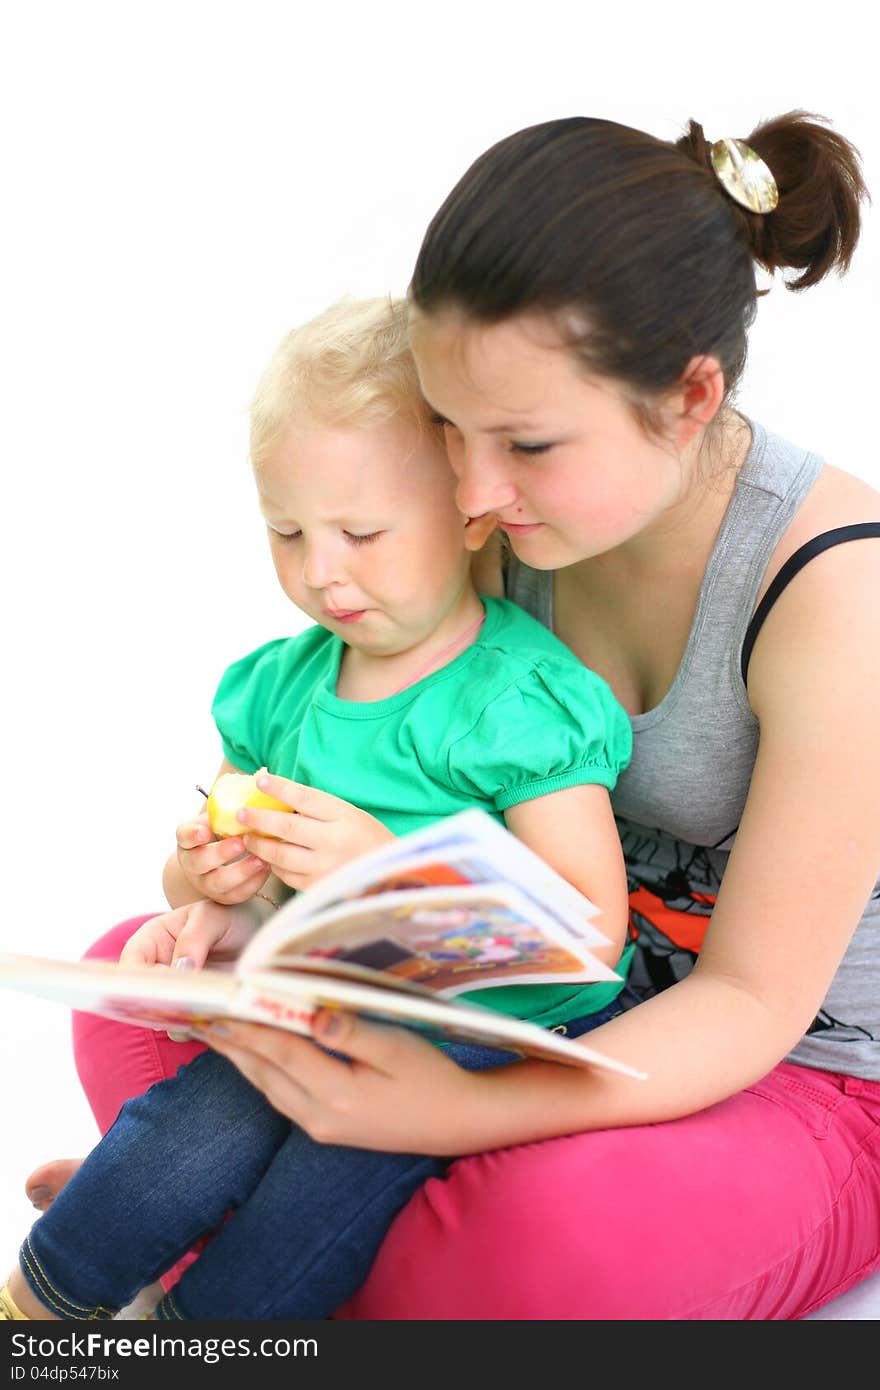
(239, 707)
(557, 726)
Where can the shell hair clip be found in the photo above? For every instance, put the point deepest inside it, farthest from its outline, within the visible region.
(744, 175)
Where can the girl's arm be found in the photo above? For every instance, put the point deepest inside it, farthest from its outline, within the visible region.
(574, 832)
(802, 869)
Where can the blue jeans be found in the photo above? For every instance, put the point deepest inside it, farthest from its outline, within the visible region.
(307, 1218)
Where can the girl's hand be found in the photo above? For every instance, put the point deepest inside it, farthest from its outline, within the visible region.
(221, 870)
(321, 834)
(397, 1092)
(192, 933)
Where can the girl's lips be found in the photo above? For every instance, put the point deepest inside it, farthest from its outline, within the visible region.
(514, 530)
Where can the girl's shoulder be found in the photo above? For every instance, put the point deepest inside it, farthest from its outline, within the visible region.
(826, 617)
(837, 498)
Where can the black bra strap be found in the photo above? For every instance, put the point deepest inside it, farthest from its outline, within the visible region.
(791, 567)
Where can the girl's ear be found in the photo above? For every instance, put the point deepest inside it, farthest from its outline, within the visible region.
(477, 530)
(696, 398)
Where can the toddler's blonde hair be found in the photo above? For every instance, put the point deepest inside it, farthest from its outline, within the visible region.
(350, 364)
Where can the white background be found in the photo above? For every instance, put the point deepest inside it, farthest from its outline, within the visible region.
(182, 183)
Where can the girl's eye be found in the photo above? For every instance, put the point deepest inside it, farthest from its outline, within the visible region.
(286, 536)
(366, 539)
(529, 448)
(515, 448)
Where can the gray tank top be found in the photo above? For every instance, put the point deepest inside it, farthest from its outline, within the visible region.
(679, 803)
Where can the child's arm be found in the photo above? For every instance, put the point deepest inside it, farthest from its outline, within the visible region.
(574, 832)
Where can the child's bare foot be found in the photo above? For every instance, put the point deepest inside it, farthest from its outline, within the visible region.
(45, 1182)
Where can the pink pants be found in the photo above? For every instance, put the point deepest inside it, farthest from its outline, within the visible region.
(763, 1207)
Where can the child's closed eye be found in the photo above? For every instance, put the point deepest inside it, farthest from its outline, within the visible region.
(353, 537)
(518, 448)
(366, 539)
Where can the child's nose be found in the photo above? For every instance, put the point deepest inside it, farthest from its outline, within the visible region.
(321, 566)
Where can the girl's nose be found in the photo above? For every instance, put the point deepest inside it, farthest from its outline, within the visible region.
(483, 484)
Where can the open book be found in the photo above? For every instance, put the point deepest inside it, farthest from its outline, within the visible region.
(394, 936)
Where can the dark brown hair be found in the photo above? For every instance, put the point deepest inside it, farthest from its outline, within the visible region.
(638, 239)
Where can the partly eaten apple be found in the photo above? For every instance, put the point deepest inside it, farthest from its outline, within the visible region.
(230, 792)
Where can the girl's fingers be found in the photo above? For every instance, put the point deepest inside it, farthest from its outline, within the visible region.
(292, 1053)
(381, 1047)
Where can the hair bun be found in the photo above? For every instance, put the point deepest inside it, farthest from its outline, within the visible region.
(815, 226)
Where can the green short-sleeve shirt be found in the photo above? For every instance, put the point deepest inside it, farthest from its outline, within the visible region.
(513, 717)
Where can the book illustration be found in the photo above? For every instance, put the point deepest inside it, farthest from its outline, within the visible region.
(469, 848)
(460, 867)
(449, 940)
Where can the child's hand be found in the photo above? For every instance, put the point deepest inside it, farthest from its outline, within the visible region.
(192, 933)
(323, 833)
(221, 870)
